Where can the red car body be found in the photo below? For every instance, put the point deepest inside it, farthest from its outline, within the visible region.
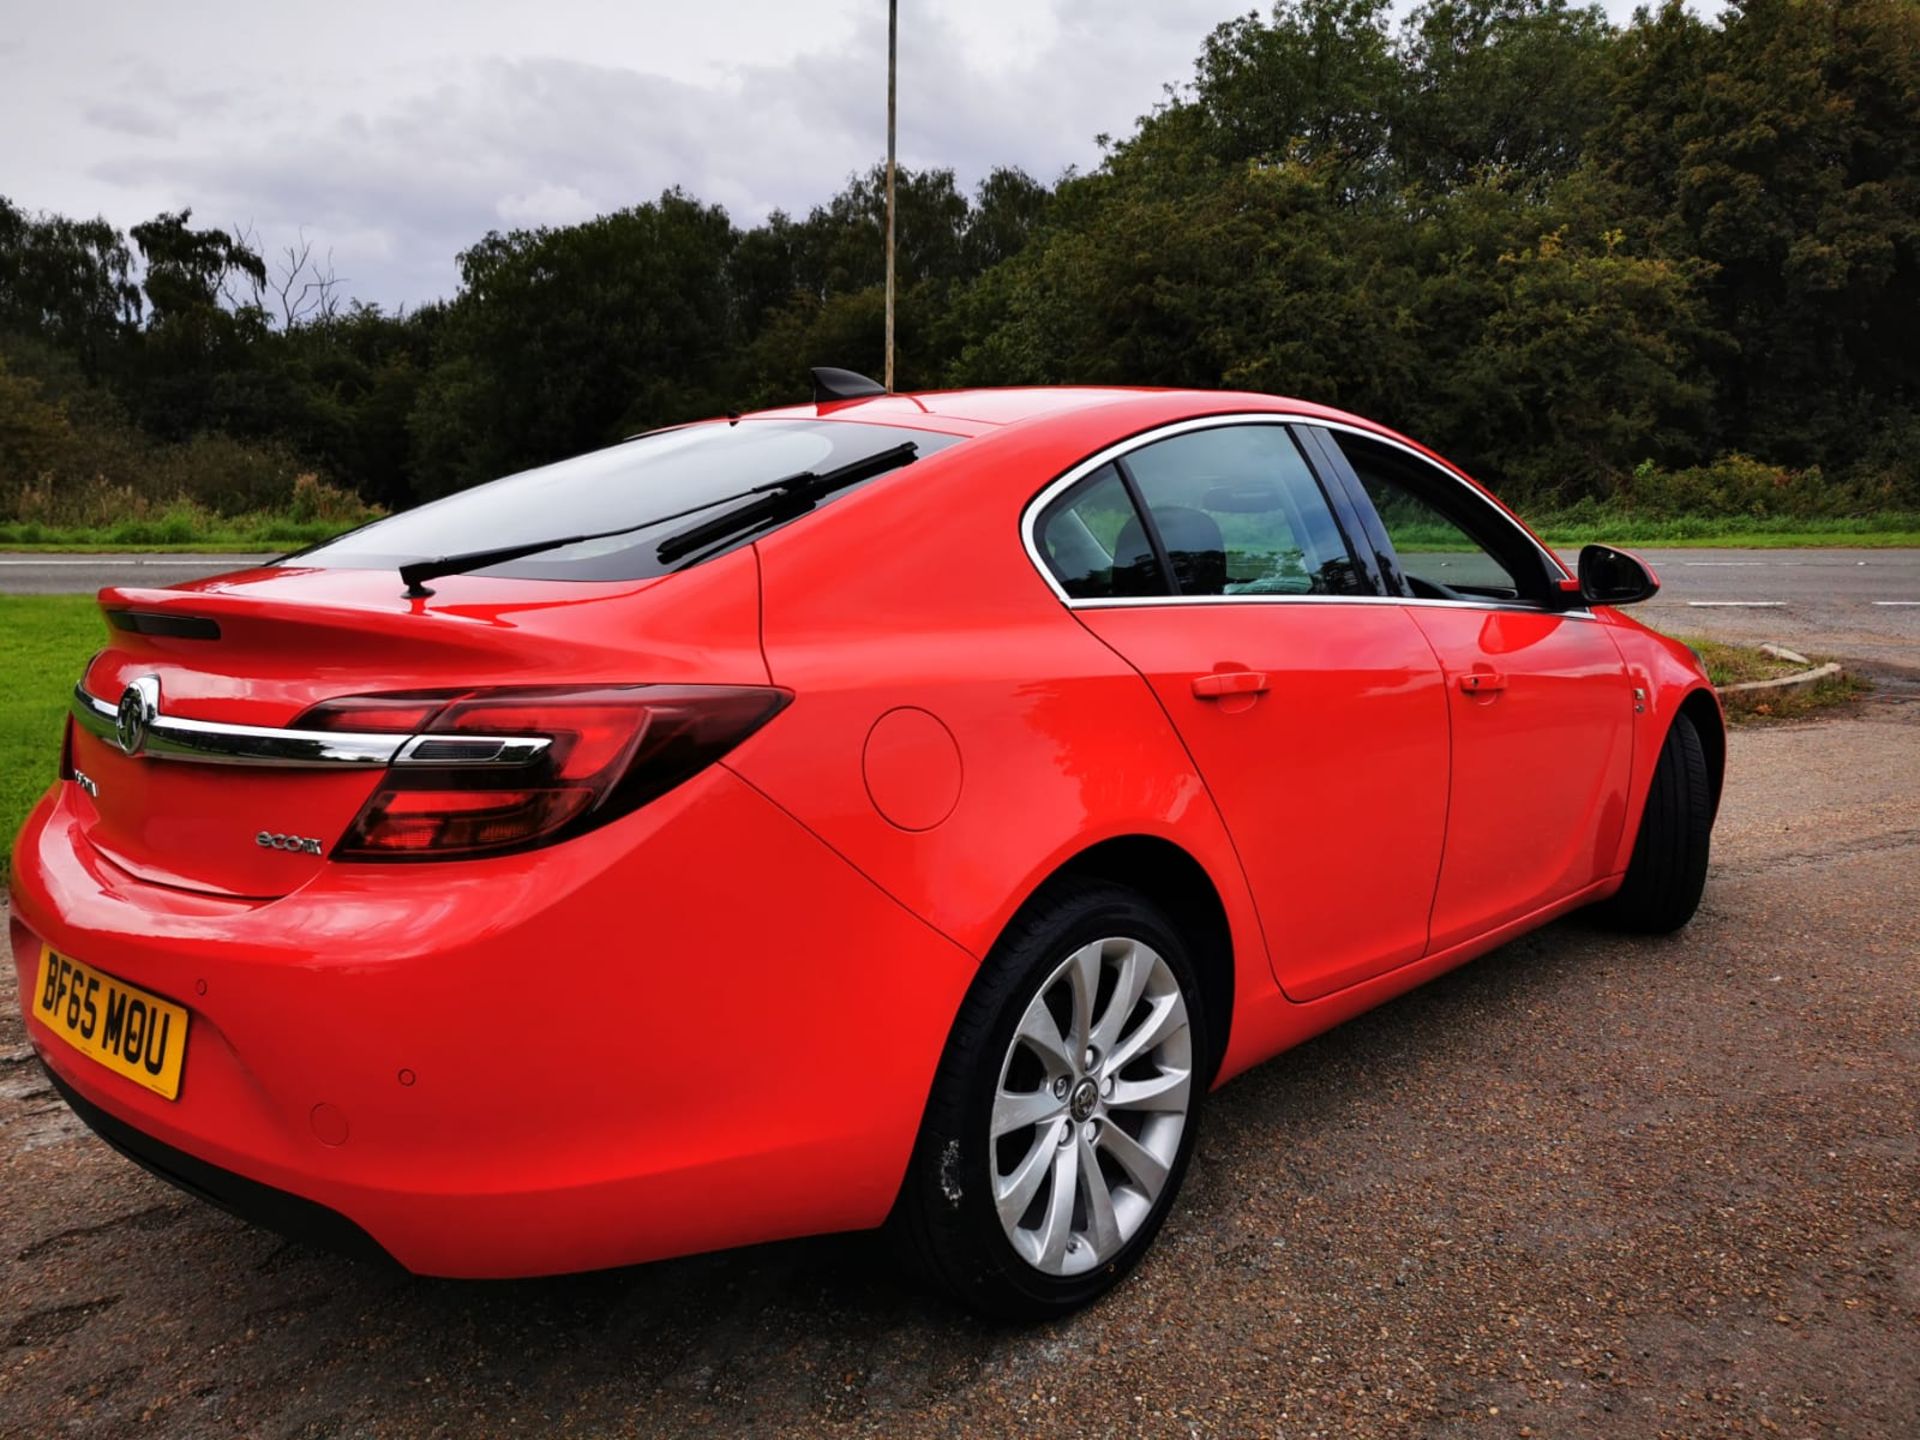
(715, 1019)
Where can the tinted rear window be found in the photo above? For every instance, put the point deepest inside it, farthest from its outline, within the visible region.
(664, 482)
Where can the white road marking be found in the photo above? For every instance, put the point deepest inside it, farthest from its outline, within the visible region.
(1897, 602)
(1723, 564)
(1737, 604)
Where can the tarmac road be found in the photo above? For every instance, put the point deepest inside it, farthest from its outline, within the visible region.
(1853, 604)
(23, 573)
(1588, 1186)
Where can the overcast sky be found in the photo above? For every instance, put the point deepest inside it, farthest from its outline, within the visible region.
(395, 133)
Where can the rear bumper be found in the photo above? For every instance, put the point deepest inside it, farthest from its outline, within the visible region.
(275, 1210)
(694, 1028)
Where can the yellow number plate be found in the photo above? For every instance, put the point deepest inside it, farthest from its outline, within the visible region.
(127, 1030)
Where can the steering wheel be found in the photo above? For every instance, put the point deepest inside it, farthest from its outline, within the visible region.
(1432, 589)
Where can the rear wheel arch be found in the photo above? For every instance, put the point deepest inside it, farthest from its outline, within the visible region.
(1170, 877)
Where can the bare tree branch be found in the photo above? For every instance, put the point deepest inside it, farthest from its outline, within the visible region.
(305, 291)
(243, 239)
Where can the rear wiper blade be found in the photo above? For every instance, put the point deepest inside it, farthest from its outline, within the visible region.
(784, 499)
(806, 485)
(415, 571)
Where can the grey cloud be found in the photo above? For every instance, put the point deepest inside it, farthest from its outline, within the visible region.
(124, 118)
(396, 189)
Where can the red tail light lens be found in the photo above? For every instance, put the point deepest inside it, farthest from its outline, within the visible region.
(491, 771)
(443, 824)
(378, 714)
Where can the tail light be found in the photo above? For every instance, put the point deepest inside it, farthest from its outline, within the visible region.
(491, 771)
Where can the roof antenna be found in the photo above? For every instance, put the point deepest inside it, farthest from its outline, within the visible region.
(832, 384)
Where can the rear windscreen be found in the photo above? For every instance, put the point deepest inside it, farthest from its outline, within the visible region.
(664, 483)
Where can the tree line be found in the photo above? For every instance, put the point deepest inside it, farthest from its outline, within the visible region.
(1592, 263)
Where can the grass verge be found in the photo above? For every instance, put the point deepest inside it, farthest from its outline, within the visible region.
(1570, 530)
(1566, 538)
(1737, 664)
(102, 516)
(202, 547)
(244, 535)
(44, 642)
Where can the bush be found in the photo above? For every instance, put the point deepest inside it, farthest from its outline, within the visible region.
(103, 482)
(227, 476)
(314, 499)
(73, 459)
(1739, 485)
(99, 512)
(33, 433)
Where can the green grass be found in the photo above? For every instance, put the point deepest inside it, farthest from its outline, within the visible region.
(103, 516)
(44, 642)
(206, 547)
(1736, 532)
(244, 534)
(1702, 534)
(1737, 664)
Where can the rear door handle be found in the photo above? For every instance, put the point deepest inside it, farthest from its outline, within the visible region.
(1483, 682)
(1222, 683)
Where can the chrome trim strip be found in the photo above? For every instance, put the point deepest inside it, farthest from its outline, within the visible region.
(1029, 518)
(96, 717)
(1516, 606)
(170, 737)
(471, 750)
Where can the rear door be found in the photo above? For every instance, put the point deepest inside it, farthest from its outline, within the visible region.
(1541, 704)
(1210, 558)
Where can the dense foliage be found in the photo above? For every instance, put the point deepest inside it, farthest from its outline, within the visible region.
(1675, 264)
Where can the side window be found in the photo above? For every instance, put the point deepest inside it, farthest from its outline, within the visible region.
(1094, 543)
(1451, 545)
(1239, 513)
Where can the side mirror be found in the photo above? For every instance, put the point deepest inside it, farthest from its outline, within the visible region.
(1613, 577)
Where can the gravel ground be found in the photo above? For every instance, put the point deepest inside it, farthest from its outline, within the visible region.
(1587, 1186)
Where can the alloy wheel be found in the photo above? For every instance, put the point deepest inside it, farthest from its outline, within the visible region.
(1095, 1092)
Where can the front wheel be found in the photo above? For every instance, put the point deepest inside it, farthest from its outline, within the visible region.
(1064, 1110)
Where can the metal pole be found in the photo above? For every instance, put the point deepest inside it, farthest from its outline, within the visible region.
(893, 40)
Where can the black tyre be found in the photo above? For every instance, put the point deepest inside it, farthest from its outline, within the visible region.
(1668, 870)
(1064, 1110)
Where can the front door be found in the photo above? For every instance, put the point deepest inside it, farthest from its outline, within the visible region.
(1542, 746)
(1539, 698)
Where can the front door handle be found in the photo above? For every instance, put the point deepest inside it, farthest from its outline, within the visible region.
(1483, 682)
(1223, 683)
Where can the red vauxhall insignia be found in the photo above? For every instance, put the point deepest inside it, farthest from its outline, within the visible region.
(897, 809)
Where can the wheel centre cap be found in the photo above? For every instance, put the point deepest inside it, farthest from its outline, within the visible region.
(1080, 1104)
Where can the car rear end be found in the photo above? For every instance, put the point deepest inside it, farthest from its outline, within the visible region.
(441, 927)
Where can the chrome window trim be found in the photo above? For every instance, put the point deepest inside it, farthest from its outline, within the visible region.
(170, 737)
(1030, 519)
(1520, 607)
